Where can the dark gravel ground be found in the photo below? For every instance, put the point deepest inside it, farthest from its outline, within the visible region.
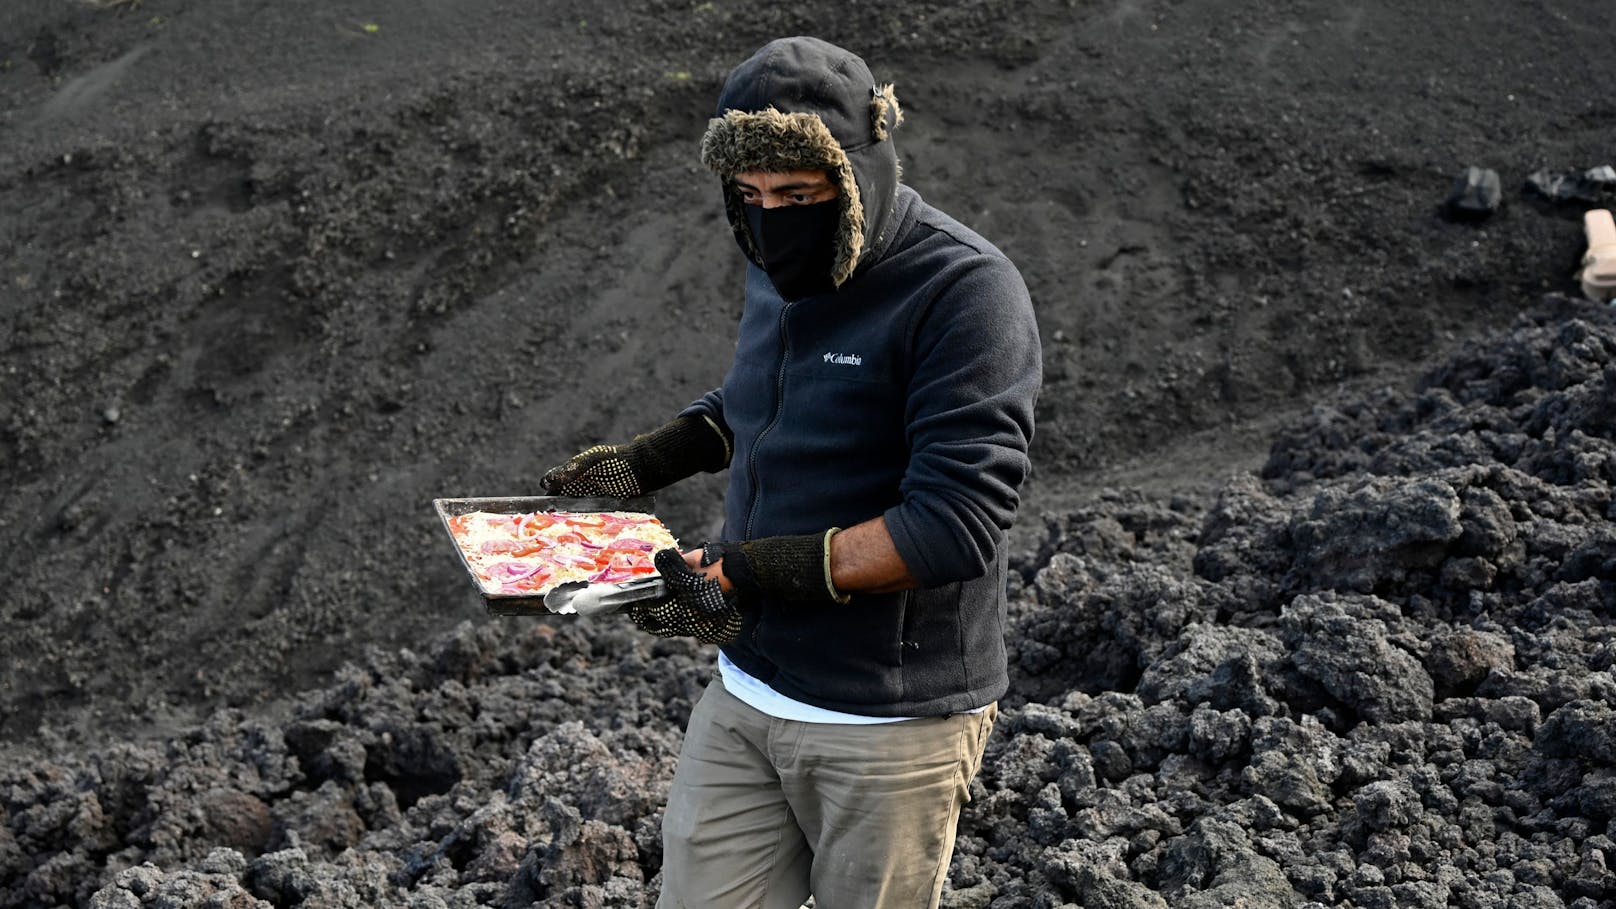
(1376, 674)
(277, 275)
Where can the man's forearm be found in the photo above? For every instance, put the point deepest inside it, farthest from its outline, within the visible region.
(863, 559)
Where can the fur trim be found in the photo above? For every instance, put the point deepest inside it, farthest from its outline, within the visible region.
(882, 102)
(773, 141)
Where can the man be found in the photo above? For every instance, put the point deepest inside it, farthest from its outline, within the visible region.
(875, 424)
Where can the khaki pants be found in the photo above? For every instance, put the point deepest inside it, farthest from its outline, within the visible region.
(764, 811)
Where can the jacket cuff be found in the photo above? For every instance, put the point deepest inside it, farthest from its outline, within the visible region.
(791, 570)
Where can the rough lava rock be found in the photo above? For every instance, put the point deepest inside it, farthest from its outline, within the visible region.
(1376, 728)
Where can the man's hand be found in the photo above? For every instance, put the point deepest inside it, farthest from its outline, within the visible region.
(650, 462)
(695, 606)
(598, 471)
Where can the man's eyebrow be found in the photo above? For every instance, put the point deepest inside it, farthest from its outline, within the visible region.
(787, 187)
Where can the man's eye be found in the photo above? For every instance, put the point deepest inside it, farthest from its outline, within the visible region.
(801, 199)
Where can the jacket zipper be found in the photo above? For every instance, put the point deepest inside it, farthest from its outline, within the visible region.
(779, 408)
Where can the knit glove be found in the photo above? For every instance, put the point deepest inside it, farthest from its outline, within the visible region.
(680, 449)
(789, 570)
(694, 606)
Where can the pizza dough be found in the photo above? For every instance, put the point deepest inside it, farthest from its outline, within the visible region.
(531, 553)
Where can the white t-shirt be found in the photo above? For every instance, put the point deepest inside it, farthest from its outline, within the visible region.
(760, 696)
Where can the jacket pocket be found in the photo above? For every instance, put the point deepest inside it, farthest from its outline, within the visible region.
(906, 615)
(839, 643)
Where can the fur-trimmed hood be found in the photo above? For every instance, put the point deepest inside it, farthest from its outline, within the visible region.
(804, 103)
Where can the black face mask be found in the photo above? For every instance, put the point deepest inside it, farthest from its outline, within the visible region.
(797, 244)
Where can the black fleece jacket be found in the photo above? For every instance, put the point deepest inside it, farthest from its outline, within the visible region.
(908, 392)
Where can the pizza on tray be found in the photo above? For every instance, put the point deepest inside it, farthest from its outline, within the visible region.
(533, 552)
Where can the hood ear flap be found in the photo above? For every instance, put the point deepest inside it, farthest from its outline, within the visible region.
(850, 230)
(884, 105)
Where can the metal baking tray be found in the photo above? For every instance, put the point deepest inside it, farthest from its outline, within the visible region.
(524, 604)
